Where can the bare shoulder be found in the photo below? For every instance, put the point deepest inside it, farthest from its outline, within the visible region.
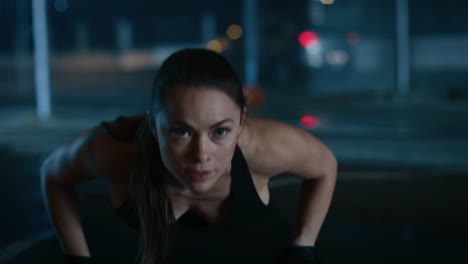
(90, 154)
(272, 147)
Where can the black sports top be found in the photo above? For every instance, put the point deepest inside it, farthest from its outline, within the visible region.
(250, 231)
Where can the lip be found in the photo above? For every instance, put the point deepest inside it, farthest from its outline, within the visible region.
(198, 175)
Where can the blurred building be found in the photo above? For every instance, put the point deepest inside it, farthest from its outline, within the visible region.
(318, 48)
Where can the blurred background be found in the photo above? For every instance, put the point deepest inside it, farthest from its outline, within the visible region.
(382, 83)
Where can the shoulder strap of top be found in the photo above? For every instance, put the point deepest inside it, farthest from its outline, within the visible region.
(128, 214)
(245, 202)
(122, 128)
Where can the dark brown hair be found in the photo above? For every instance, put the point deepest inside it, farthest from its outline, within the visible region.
(148, 190)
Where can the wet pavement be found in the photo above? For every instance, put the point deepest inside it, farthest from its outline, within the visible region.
(400, 197)
(375, 217)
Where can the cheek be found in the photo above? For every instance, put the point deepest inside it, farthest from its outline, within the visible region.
(232, 148)
(225, 154)
(171, 156)
(175, 153)
(166, 158)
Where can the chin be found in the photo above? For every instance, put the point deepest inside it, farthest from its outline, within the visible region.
(201, 187)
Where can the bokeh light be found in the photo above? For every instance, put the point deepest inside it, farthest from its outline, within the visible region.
(309, 121)
(327, 2)
(215, 45)
(234, 32)
(308, 39)
(337, 57)
(352, 38)
(224, 43)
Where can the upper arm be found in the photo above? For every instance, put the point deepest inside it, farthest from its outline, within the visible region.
(307, 157)
(281, 148)
(73, 162)
(90, 154)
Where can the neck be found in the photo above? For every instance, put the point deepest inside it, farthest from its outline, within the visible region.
(219, 189)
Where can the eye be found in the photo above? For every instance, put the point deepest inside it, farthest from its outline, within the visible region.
(221, 132)
(179, 132)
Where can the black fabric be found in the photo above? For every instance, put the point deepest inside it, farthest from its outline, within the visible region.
(249, 232)
(300, 255)
(70, 259)
(128, 214)
(122, 128)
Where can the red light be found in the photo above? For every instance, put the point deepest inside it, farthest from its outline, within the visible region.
(309, 121)
(308, 39)
(352, 38)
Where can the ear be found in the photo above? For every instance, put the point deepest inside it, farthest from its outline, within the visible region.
(242, 120)
(243, 115)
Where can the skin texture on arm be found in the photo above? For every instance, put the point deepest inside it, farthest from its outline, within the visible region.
(277, 148)
(82, 158)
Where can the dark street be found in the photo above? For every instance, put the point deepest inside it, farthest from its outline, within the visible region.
(382, 84)
(400, 197)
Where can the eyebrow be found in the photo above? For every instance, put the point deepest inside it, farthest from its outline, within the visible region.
(212, 126)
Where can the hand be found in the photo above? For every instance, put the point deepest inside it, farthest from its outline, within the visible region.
(70, 259)
(300, 255)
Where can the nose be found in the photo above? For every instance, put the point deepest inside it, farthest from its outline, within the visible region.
(200, 149)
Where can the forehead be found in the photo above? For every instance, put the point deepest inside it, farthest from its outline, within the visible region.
(201, 105)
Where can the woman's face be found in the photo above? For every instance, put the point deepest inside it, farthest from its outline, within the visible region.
(197, 136)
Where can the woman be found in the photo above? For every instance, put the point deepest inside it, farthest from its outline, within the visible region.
(194, 165)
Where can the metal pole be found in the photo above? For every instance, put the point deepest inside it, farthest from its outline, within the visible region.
(124, 35)
(81, 36)
(208, 27)
(402, 39)
(22, 47)
(250, 42)
(41, 58)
